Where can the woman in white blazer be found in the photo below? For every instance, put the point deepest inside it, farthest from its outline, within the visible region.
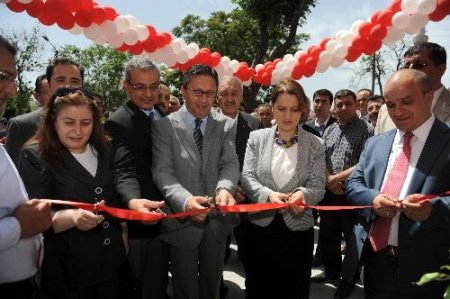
(283, 164)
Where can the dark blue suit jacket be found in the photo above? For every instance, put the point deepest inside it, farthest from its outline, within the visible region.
(423, 246)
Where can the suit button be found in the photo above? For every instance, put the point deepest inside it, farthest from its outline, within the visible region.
(105, 224)
(98, 190)
(107, 241)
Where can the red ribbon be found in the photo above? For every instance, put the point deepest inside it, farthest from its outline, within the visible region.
(240, 208)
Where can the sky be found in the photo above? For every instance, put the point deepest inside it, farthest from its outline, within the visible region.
(328, 17)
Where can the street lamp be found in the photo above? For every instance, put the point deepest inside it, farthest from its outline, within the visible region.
(53, 46)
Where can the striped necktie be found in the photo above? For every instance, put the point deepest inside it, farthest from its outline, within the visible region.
(198, 136)
(379, 236)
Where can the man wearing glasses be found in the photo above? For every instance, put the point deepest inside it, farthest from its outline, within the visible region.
(130, 128)
(195, 167)
(431, 59)
(61, 72)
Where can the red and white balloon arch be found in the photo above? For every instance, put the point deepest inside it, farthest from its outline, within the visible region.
(104, 25)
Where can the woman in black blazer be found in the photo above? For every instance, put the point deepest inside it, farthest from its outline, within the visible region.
(69, 159)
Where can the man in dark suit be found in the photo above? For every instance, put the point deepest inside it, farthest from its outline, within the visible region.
(194, 166)
(60, 72)
(130, 128)
(322, 101)
(401, 238)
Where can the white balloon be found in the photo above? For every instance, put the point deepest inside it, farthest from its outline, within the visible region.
(321, 67)
(290, 63)
(347, 38)
(325, 57)
(192, 50)
(177, 45)
(287, 57)
(340, 51)
(276, 77)
(228, 71)
(130, 37)
(337, 62)
(100, 39)
(394, 34)
(425, 7)
(219, 70)
(182, 57)
(339, 34)
(409, 6)
(109, 28)
(298, 53)
(388, 42)
(234, 65)
(286, 72)
(115, 41)
(76, 29)
(92, 32)
(142, 32)
(258, 67)
(356, 25)
(25, 1)
(122, 23)
(400, 20)
(417, 21)
(280, 65)
(331, 45)
(247, 83)
(133, 21)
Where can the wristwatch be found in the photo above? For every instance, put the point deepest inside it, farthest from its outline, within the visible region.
(220, 189)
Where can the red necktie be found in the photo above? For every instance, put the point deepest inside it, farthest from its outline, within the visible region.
(394, 182)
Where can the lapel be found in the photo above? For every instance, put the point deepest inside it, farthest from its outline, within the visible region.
(72, 166)
(209, 138)
(432, 150)
(185, 135)
(381, 158)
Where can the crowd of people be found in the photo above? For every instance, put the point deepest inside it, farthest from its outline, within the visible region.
(157, 155)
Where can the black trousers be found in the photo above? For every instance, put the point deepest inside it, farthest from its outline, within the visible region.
(278, 261)
(334, 224)
(20, 289)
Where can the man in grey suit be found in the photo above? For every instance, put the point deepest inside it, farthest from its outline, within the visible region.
(431, 59)
(400, 238)
(195, 166)
(60, 72)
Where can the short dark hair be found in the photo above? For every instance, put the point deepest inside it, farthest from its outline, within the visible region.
(365, 89)
(37, 83)
(199, 70)
(5, 43)
(436, 52)
(324, 92)
(376, 98)
(3, 121)
(343, 93)
(64, 61)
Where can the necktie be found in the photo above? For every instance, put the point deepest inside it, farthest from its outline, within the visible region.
(198, 136)
(151, 116)
(394, 182)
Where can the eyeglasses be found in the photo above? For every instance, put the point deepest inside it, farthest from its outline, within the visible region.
(7, 78)
(142, 87)
(199, 93)
(416, 66)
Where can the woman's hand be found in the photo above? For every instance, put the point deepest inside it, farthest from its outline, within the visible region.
(86, 220)
(294, 200)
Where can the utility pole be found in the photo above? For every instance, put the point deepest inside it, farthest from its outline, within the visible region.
(421, 36)
(51, 44)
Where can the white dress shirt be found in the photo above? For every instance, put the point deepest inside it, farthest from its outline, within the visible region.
(284, 162)
(417, 144)
(18, 257)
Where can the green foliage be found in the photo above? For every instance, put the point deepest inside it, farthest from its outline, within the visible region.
(28, 59)
(104, 69)
(437, 276)
(173, 78)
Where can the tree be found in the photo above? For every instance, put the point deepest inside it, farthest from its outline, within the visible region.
(28, 59)
(374, 69)
(256, 31)
(104, 69)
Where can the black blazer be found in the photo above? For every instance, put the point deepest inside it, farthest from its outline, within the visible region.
(76, 258)
(130, 129)
(312, 124)
(245, 124)
(20, 129)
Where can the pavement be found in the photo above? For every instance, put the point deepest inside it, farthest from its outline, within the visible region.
(234, 277)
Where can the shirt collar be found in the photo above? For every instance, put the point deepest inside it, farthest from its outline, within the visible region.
(421, 132)
(317, 124)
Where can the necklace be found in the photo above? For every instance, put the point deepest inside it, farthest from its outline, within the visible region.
(286, 144)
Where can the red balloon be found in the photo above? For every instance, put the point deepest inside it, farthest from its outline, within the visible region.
(124, 47)
(16, 6)
(98, 15)
(395, 6)
(150, 45)
(137, 48)
(202, 56)
(267, 63)
(302, 58)
(359, 43)
(215, 58)
(151, 30)
(55, 8)
(87, 4)
(308, 71)
(160, 40)
(444, 5)
(324, 42)
(266, 78)
(374, 19)
(257, 78)
(385, 18)
(35, 8)
(270, 68)
(110, 13)
(364, 29)
(277, 60)
(352, 54)
(66, 20)
(46, 19)
(378, 32)
(436, 16)
(310, 63)
(74, 5)
(83, 18)
(168, 39)
(315, 52)
(297, 72)
(372, 46)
